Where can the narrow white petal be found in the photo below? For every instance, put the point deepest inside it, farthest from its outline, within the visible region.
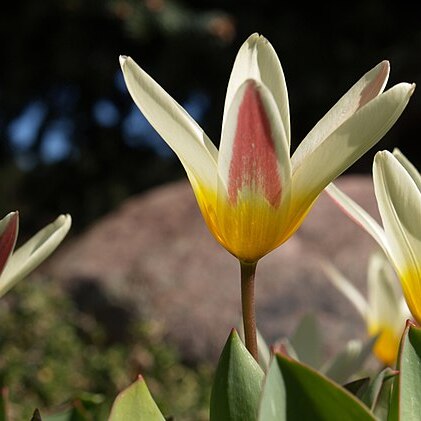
(359, 216)
(405, 310)
(399, 201)
(258, 60)
(342, 366)
(367, 88)
(31, 254)
(349, 142)
(384, 294)
(346, 287)
(172, 122)
(413, 172)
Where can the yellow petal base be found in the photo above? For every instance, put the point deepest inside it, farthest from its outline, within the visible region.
(387, 345)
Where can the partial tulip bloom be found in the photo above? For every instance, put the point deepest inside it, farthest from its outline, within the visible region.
(397, 186)
(252, 194)
(17, 264)
(384, 311)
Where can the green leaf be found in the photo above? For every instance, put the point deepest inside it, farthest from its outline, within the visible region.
(348, 361)
(263, 350)
(135, 404)
(237, 385)
(406, 392)
(262, 347)
(295, 392)
(273, 401)
(381, 409)
(307, 341)
(372, 393)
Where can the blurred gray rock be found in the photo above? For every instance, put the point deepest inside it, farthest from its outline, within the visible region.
(155, 255)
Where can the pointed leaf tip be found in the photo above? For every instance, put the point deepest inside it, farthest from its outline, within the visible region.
(280, 349)
(237, 385)
(409, 323)
(233, 333)
(135, 403)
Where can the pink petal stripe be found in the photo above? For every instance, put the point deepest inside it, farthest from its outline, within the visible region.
(254, 163)
(375, 87)
(8, 240)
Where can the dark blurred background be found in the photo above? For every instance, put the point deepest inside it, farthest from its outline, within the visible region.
(73, 141)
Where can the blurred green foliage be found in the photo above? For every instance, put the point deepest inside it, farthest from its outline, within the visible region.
(52, 353)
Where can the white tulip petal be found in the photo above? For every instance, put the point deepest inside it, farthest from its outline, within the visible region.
(31, 254)
(367, 88)
(254, 148)
(349, 142)
(359, 216)
(258, 60)
(343, 366)
(173, 123)
(404, 309)
(384, 293)
(413, 172)
(346, 287)
(399, 201)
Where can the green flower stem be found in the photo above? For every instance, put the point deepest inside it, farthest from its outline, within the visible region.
(248, 271)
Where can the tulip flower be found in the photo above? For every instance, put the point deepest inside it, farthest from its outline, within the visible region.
(384, 311)
(252, 194)
(397, 186)
(17, 264)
